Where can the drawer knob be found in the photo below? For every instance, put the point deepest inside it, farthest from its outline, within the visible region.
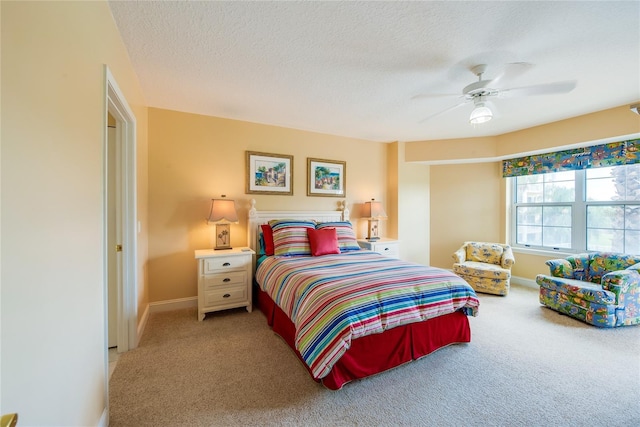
(226, 279)
(386, 249)
(226, 264)
(226, 295)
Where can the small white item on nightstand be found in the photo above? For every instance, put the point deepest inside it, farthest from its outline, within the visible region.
(224, 279)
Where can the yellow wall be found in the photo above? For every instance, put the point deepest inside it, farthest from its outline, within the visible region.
(614, 122)
(409, 189)
(53, 368)
(465, 205)
(468, 198)
(193, 158)
(452, 150)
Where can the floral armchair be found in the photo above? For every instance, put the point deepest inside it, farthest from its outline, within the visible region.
(485, 266)
(602, 289)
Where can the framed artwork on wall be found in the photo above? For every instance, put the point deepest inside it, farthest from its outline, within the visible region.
(269, 173)
(326, 178)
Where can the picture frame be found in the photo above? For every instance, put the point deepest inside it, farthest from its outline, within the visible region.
(327, 178)
(269, 173)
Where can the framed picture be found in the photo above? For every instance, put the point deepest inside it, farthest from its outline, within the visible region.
(269, 173)
(326, 178)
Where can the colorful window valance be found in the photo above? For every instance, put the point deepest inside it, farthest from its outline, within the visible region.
(597, 156)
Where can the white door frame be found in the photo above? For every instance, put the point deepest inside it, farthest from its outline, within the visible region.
(117, 106)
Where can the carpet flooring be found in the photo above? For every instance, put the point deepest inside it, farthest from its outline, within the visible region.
(526, 365)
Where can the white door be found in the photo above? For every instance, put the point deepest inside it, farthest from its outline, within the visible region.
(113, 256)
(120, 266)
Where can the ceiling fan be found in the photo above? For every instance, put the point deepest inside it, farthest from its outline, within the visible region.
(482, 92)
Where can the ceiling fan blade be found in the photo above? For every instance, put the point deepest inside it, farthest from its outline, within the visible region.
(434, 95)
(511, 71)
(443, 112)
(544, 89)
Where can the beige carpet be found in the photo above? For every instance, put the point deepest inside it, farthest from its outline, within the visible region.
(526, 365)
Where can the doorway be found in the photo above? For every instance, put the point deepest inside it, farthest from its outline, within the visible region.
(120, 224)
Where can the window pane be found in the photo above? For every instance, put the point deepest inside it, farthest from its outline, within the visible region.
(559, 176)
(556, 216)
(530, 193)
(601, 189)
(613, 228)
(559, 187)
(632, 184)
(617, 183)
(529, 235)
(557, 237)
(529, 225)
(632, 242)
(599, 239)
(529, 215)
(551, 187)
(563, 191)
(598, 173)
(605, 217)
(632, 217)
(529, 179)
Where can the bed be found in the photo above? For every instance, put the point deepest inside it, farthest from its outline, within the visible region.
(349, 313)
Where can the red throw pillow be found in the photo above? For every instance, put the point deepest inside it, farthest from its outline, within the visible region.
(267, 236)
(323, 242)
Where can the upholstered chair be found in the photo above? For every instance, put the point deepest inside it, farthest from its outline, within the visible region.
(599, 288)
(485, 266)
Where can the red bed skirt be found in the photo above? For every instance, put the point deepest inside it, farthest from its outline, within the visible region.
(376, 353)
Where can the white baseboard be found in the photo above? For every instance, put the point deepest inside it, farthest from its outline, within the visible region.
(173, 304)
(142, 324)
(529, 283)
(104, 419)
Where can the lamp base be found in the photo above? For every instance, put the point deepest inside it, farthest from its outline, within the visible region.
(223, 237)
(372, 233)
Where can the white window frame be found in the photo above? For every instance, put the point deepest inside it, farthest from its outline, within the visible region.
(578, 220)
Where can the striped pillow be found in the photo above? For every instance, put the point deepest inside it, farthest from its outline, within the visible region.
(290, 237)
(346, 236)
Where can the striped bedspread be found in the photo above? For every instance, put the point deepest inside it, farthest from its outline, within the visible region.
(333, 299)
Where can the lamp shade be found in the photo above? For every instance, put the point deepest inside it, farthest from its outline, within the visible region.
(480, 114)
(223, 210)
(374, 210)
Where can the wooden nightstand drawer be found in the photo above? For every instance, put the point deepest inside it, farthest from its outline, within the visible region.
(224, 296)
(214, 265)
(225, 279)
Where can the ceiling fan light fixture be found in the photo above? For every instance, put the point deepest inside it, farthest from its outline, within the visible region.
(480, 114)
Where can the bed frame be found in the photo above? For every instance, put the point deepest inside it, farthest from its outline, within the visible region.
(371, 354)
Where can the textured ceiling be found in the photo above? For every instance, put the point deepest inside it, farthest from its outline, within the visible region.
(354, 68)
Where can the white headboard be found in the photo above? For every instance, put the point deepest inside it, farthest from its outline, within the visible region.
(257, 218)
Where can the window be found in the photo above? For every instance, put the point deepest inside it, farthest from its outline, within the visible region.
(583, 210)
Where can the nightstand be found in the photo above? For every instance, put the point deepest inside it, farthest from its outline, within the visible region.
(224, 279)
(386, 247)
